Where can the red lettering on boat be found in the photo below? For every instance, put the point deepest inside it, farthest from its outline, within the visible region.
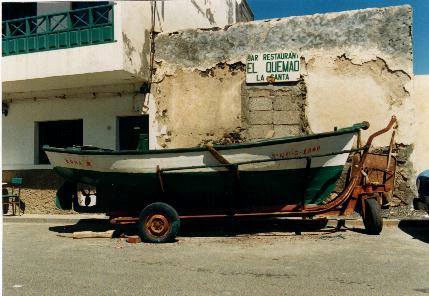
(295, 153)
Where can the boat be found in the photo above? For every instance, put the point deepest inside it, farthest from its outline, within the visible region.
(294, 175)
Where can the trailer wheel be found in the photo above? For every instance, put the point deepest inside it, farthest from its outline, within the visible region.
(372, 216)
(158, 223)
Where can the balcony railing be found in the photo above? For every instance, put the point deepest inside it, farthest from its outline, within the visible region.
(73, 28)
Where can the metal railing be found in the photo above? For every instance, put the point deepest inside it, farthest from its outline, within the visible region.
(73, 28)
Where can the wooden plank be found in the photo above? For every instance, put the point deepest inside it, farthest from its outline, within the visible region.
(92, 234)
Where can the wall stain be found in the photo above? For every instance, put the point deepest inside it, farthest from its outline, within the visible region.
(207, 13)
(145, 56)
(129, 48)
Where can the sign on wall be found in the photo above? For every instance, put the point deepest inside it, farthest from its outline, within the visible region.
(270, 67)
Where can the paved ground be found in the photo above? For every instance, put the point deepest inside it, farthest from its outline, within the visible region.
(257, 259)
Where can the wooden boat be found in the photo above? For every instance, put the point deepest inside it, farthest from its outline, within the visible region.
(289, 174)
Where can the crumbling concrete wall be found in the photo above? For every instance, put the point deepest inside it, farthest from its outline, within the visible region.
(356, 66)
(193, 106)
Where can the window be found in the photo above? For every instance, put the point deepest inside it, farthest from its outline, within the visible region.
(130, 128)
(17, 10)
(60, 134)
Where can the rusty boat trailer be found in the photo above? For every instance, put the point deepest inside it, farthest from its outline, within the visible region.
(370, 178)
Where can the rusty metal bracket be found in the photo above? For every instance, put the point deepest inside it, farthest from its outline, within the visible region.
(218, 156)
(391, 145)
(393, 120)
(123, 220)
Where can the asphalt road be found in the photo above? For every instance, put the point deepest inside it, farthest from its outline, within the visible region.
(270, 260)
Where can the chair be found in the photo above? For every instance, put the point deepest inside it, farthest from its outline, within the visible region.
(13, 197)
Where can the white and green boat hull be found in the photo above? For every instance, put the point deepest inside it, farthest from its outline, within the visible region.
(271, 173)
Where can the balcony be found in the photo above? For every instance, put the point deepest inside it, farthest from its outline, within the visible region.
(73, 28)
(76, 51)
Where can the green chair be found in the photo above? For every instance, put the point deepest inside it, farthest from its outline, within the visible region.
(12, 197)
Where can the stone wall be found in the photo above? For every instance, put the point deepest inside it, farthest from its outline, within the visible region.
(274, 111)
(38, 190)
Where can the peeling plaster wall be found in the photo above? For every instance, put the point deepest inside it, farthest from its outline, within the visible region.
(169, 16)
(361, 35)
(344, 92)
(358, 65)
(186, 114)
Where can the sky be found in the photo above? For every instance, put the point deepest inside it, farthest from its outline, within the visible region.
(265, 9)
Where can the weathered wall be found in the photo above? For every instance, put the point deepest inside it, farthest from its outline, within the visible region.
(357, 66)
(39, 190)
(183, 14)
(136, 20)
(186, 115)
(274, 111)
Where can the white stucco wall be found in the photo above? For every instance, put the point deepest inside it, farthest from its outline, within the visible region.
(185, 14)
(99, 124)
(420, 156)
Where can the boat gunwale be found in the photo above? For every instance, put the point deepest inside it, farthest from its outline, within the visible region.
(267, 142)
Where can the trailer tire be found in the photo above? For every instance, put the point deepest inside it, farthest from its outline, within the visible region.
(158, 223)
(372, 217)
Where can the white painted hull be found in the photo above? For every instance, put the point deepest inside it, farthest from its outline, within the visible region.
(148, 162)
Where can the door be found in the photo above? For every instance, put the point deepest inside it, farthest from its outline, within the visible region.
(130, 129)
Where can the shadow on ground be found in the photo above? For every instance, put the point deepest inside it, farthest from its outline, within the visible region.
(94, 225)
(213, 227)
(418, 229)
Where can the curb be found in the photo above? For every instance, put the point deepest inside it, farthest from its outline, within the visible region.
(89, 219)
(351, 223)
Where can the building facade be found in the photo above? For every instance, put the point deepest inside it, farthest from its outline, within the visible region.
(354, 66)
(72, 73)
(76, 73)
(87, 84)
